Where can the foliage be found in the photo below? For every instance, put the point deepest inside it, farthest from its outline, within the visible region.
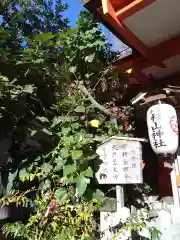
(138, 222)
(45, 114)
(26, 17)
(70, 222)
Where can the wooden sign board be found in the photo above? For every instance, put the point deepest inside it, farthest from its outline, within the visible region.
(107, 222)
(109, 225)
(121, 161)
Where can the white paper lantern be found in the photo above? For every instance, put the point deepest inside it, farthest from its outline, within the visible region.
(163, 128)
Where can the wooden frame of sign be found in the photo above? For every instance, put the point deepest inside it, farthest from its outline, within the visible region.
(121, 161)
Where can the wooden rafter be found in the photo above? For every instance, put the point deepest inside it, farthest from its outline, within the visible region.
(164, 51)
(132, 8)
(108, 13)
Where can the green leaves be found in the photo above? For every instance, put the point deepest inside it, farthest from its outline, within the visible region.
(73, 69)
(59, 163)
(28, 50)
(46, 168)
(43, 119)
(44, 185)
(89, 172)
(100, 138)
(109, 205)
(11, 178)
(55, 112)
(63, 119)
(61, 195)
(67, 140)
(69, 169)
(155, 233)
(23, 175)
(56, 121)
(76, 154)
(4, 79)
(45, 130)
(64, 153)
(81, 184)
(28, 89)
(80, 109)
(65, 130)
(38, 61)
(98, 195)
(90, 58)
(2, 31)
(44, 37)
(75, 126)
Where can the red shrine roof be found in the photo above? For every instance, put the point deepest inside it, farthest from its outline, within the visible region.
(151, 28)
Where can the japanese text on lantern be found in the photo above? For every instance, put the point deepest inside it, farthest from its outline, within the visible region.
(157, 132)
(174, 124)
(121, 162)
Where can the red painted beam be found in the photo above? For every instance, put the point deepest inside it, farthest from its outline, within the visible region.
(139, 63)
(173, 79)
(110, 15)
(132, 8)
(164, 51)
(119, 4)
(141, 77)
(107, 12)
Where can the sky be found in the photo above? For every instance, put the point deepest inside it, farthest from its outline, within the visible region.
(75, 6)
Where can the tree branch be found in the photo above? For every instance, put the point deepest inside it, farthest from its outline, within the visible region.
(95, 103)
(98, 106)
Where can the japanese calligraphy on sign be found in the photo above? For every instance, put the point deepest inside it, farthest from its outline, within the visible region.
(156, 126)
(107, 224)
(121, 162)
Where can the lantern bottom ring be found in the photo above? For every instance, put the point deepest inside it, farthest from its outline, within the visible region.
(166, 155)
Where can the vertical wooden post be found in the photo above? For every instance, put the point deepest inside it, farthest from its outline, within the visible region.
(119, 197)
(175, 189)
